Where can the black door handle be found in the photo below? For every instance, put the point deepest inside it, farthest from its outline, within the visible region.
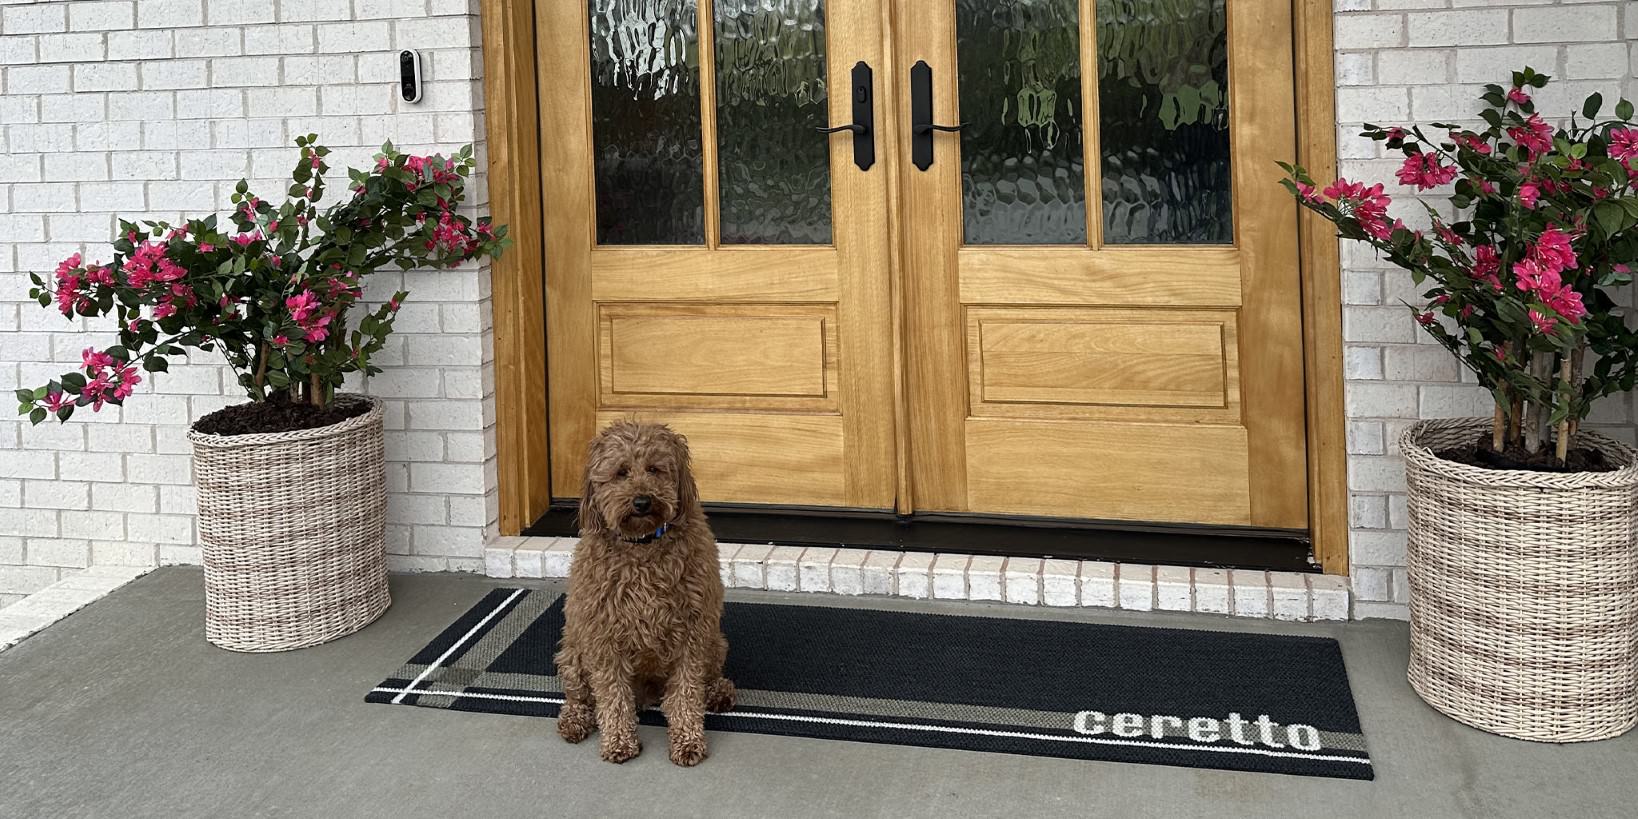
(922, 126)
(864, 118)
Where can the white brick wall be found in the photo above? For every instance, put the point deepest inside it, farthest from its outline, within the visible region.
(1399, 60)
(154, 109)
(99, 117)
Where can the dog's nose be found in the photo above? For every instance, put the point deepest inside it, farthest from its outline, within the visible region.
(642, 503)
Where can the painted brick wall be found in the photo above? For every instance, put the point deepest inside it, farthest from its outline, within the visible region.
(154, 109)
(1427, 60)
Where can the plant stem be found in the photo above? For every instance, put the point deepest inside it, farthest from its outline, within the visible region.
(1563, 450)
(315, 391)
(1498, 429)
(261, 366)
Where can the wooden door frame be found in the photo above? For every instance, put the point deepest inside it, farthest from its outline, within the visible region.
(518, 279)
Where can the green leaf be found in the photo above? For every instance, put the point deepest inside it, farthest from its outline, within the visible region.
(156, 365)
(1593, 104)
(1623, 110)
(25, 396)
(1611, 216)
(37, 415)
(73, 382)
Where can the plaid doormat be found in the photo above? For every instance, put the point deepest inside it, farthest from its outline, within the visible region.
(1201, 699)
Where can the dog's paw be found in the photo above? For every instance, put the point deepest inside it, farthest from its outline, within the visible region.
(575, 724)
(618, 749)
(721, 696)
(688, 751)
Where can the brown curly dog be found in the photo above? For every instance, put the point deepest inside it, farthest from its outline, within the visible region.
(644, 609)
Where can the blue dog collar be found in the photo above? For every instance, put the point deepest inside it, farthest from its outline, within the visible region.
(658, 533)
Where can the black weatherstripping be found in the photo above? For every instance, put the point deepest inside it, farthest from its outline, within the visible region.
(1122, 542)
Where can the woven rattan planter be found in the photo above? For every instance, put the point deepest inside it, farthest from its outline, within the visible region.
(1523, 590)
(293, 527)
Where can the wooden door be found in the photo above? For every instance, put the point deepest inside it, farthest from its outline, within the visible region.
(713, 261)
(1101, 272)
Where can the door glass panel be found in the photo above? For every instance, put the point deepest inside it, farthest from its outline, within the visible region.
(645, 96)
(774, 167)
(1022, 168)
(1163, 121)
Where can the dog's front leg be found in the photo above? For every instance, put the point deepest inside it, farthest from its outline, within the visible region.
(616, 714)
(684, 707)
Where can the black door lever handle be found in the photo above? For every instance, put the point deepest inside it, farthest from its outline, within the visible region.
(922, 127)
(864, 118)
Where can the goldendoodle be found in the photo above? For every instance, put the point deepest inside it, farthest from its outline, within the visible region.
(644, 609)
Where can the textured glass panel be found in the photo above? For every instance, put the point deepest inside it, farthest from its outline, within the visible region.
(774, 168)
(646, 122)
(1163, 121)
(1022, 172)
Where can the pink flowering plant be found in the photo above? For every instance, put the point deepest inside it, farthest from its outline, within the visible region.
(1519, 283)
(277, 289)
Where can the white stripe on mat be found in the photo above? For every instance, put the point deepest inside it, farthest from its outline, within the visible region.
(910, 726)
(410, 689)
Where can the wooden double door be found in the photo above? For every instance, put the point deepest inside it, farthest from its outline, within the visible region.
(1042, 268)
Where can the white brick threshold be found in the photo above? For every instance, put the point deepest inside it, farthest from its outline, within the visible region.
(1025, 581)
(25, 617)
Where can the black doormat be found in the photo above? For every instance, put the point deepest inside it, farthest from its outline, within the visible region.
(1200, 699)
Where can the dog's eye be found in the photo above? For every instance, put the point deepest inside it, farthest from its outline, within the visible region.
(654, 470)
(622, 473)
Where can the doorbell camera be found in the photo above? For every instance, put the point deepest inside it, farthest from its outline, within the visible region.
(409, 74)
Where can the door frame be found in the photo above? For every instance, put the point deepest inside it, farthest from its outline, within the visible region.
(511, 56)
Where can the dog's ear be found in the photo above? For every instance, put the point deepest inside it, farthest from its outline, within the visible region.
(588, 520)
(688, 493)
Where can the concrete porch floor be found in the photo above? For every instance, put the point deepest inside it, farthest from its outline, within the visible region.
(124, 710)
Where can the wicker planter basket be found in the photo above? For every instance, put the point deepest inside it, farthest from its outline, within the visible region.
(293, 527)
(1523, 590)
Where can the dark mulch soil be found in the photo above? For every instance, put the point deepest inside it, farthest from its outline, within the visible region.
(1481, 454)
(267, 416)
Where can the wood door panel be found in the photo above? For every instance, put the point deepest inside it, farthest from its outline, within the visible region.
(733, 356)
(759, 274)
(1133, 359)
(1088, 469)
(1147, 276)
(782, 459)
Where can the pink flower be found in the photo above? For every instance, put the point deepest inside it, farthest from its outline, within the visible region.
(1544, 323)
(1529, 192)
(206, 247)
(128, 379)
(1567, 303)
(1518, 97)
(1426, 319)
(94, 359)
(1553, 251)
(1487, 266)
(1472, 142)
(1535, 136)
(1624, 144)
(245, 239)
(55, 401)
(1446, 234)
(316, 161)
(1532, 277)
(302, 305)
(1486, 186)
(1425, 171)
(281, 340)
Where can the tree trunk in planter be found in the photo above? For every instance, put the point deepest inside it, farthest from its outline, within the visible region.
(293, 528)
(1524, 589)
